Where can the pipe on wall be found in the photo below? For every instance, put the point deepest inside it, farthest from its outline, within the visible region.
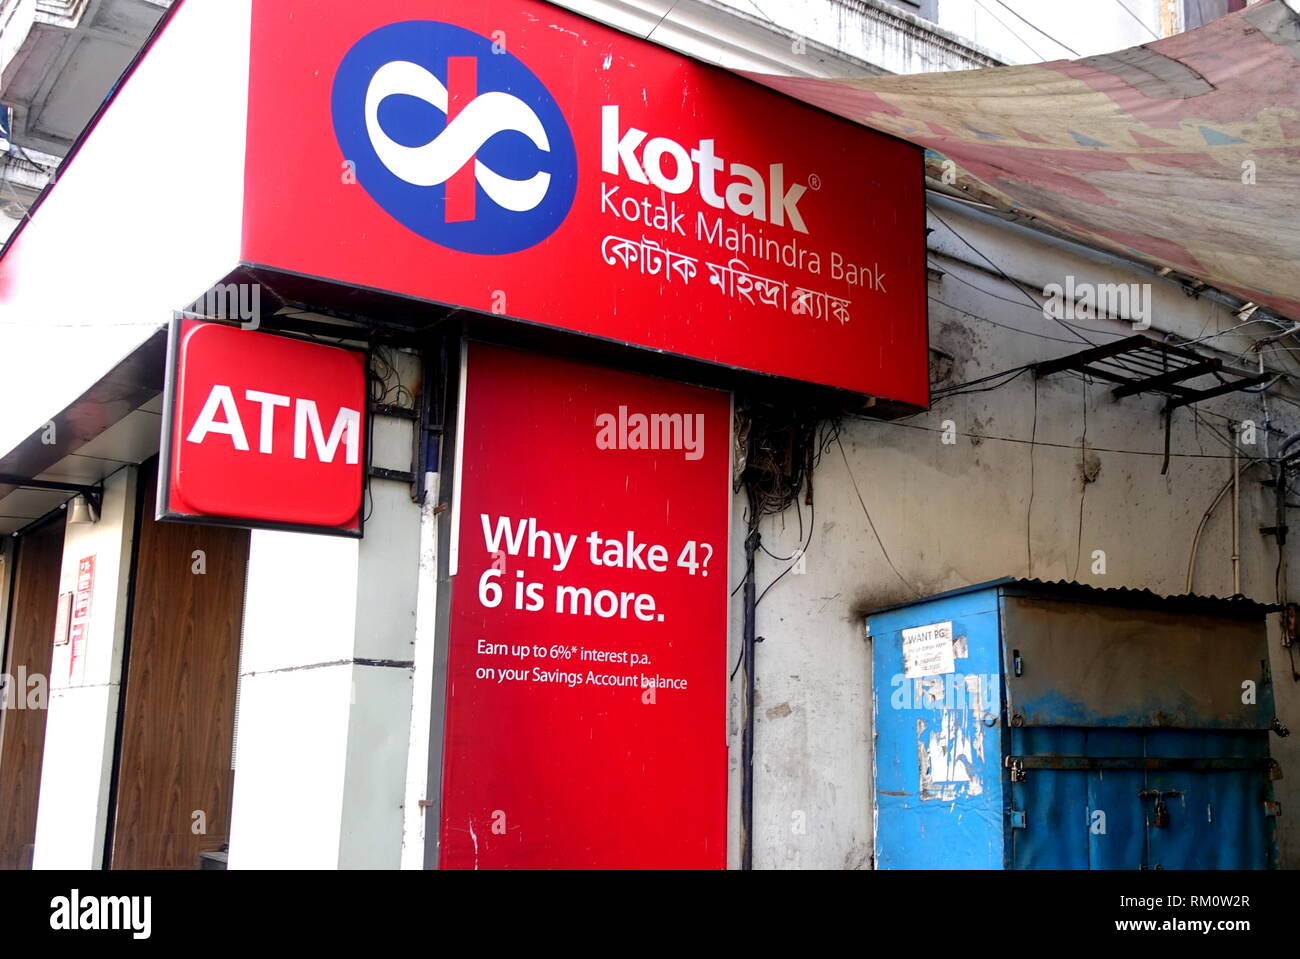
(747, 742)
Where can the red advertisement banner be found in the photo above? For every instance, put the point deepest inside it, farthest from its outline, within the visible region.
(586, 690)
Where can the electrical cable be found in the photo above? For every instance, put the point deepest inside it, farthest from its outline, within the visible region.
(1013, 329)
(1035, 306)
(660, 23)
(1141, 22)
(1002, 273)
(1040, 30)
(944, 394)
(1045, 444)
(1009, 30)
(1202, 339)
(802, 552)
(870, 521)
(1083, 475)
(982, 379)
(1029, 511)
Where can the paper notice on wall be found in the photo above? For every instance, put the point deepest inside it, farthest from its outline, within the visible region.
(927, 650)
(80, 628)
(63, 620)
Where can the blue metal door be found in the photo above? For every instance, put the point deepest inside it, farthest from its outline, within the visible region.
(939, 800)
(1141, 799)
(1209, 819)
(1077, 818)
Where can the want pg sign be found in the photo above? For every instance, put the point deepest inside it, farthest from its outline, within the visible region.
(263, 431)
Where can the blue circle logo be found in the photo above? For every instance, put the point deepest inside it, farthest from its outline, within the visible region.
(454, 137)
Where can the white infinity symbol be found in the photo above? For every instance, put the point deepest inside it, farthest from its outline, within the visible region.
(438, 160)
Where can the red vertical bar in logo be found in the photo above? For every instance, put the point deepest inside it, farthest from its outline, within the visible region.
(462, 87)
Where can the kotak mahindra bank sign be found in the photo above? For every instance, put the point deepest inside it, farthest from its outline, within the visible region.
(518, 160)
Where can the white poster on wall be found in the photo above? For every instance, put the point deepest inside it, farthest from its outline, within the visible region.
(927, 650)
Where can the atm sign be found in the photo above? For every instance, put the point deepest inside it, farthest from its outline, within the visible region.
(263, 431)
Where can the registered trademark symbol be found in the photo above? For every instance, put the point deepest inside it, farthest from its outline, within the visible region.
(814, 182)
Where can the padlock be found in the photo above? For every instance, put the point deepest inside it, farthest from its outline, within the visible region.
(1161, 813)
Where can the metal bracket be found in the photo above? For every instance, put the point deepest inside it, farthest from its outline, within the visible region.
(396, 412)
(1151, 763)
(410, 477)
(1290, 624)
(94, 494)
(397, 476)
(1018, 818)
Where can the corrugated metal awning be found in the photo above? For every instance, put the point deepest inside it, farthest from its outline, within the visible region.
(1068, 590)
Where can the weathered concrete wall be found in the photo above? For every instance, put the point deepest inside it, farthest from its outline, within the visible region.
(954, 514)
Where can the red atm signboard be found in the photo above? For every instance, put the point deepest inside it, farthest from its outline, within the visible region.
(586, 685)
(516, 159)
(263, 431)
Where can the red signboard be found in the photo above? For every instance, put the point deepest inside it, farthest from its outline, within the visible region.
(586, 690)
(263, 431)
(516, 159)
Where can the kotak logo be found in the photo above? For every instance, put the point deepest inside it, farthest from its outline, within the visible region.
(266, 428)
(746, 195)
(455, 139)
(452, 151)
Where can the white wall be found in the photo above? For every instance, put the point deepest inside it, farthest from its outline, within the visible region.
(326, 682)
(792, 37)
(953, 515)
(1055, 30)
(81, 728)
(295, 679)
(99, 272)
(415, 820)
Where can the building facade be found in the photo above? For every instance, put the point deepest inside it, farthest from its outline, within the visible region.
(275, 697)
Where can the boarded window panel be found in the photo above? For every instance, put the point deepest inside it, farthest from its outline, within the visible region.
(30, 651)
(178, 720)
